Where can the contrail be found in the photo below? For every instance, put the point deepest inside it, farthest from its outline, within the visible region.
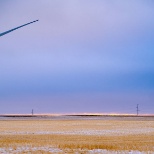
(4, 33)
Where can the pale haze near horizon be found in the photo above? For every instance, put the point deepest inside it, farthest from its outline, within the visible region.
(82, 56)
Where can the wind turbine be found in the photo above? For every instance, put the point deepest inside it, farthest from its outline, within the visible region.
(4, 33)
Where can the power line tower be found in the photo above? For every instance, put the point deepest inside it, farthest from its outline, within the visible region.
(32, 112)
(137, 109)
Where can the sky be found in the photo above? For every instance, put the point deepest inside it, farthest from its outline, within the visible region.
(81, 57)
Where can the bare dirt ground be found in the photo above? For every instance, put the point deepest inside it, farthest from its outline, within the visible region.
(76, 134)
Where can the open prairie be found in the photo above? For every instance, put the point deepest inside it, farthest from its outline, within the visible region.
(76, 134)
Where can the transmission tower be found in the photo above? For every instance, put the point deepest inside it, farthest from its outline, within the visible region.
(32, 112)
(137, 109)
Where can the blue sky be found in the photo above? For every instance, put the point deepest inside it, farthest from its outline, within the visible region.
(82, 56)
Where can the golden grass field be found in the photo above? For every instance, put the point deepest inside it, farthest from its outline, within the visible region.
(77, 135)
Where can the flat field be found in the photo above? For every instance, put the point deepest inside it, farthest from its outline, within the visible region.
(77, 134)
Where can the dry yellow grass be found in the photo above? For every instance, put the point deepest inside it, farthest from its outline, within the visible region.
(137, 142)
(78, 134)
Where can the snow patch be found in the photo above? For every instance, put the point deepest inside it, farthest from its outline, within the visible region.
(88, 132)
(29, 149)
(58, 151)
